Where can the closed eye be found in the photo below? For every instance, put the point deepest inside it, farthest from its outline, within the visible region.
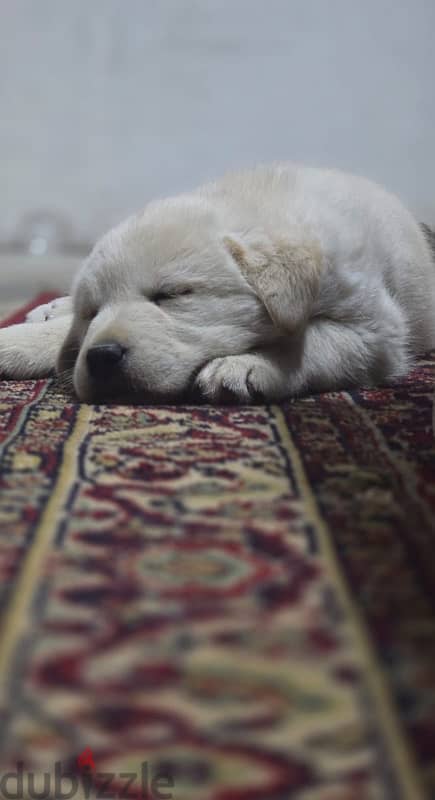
(160, 297)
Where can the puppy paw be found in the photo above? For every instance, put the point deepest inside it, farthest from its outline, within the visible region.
(57, 308)
(31, 351)
(17, 353)
(243, 379)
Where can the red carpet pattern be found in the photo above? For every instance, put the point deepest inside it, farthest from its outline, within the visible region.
(240, 598)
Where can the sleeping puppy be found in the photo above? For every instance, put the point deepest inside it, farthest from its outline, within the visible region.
(263, 285)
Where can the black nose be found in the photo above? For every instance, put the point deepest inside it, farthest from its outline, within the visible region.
(103, 359)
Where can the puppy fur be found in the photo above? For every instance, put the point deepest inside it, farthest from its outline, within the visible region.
(268, 283)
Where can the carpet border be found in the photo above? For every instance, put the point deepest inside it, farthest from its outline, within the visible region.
(17, 618)
(405, 765)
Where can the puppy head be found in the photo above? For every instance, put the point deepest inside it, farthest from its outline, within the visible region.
(158, 298)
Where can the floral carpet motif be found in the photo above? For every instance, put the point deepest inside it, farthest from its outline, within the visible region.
(240, 598)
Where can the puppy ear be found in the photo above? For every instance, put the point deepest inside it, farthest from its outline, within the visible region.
(284, 274)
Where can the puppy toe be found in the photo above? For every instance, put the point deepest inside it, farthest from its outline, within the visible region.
(38, 314)
(56, 308)
(246, 378)
(224, 380)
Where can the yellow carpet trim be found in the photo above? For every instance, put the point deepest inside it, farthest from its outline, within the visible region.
(407, 772)
(18, 616)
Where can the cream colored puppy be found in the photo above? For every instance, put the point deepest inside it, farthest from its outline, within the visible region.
(263, 285)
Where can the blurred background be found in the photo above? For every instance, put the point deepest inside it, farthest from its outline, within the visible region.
(106, 104)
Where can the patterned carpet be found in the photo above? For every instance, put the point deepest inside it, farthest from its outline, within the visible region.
(241, 600)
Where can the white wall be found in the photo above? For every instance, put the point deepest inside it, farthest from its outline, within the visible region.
(105, 103)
